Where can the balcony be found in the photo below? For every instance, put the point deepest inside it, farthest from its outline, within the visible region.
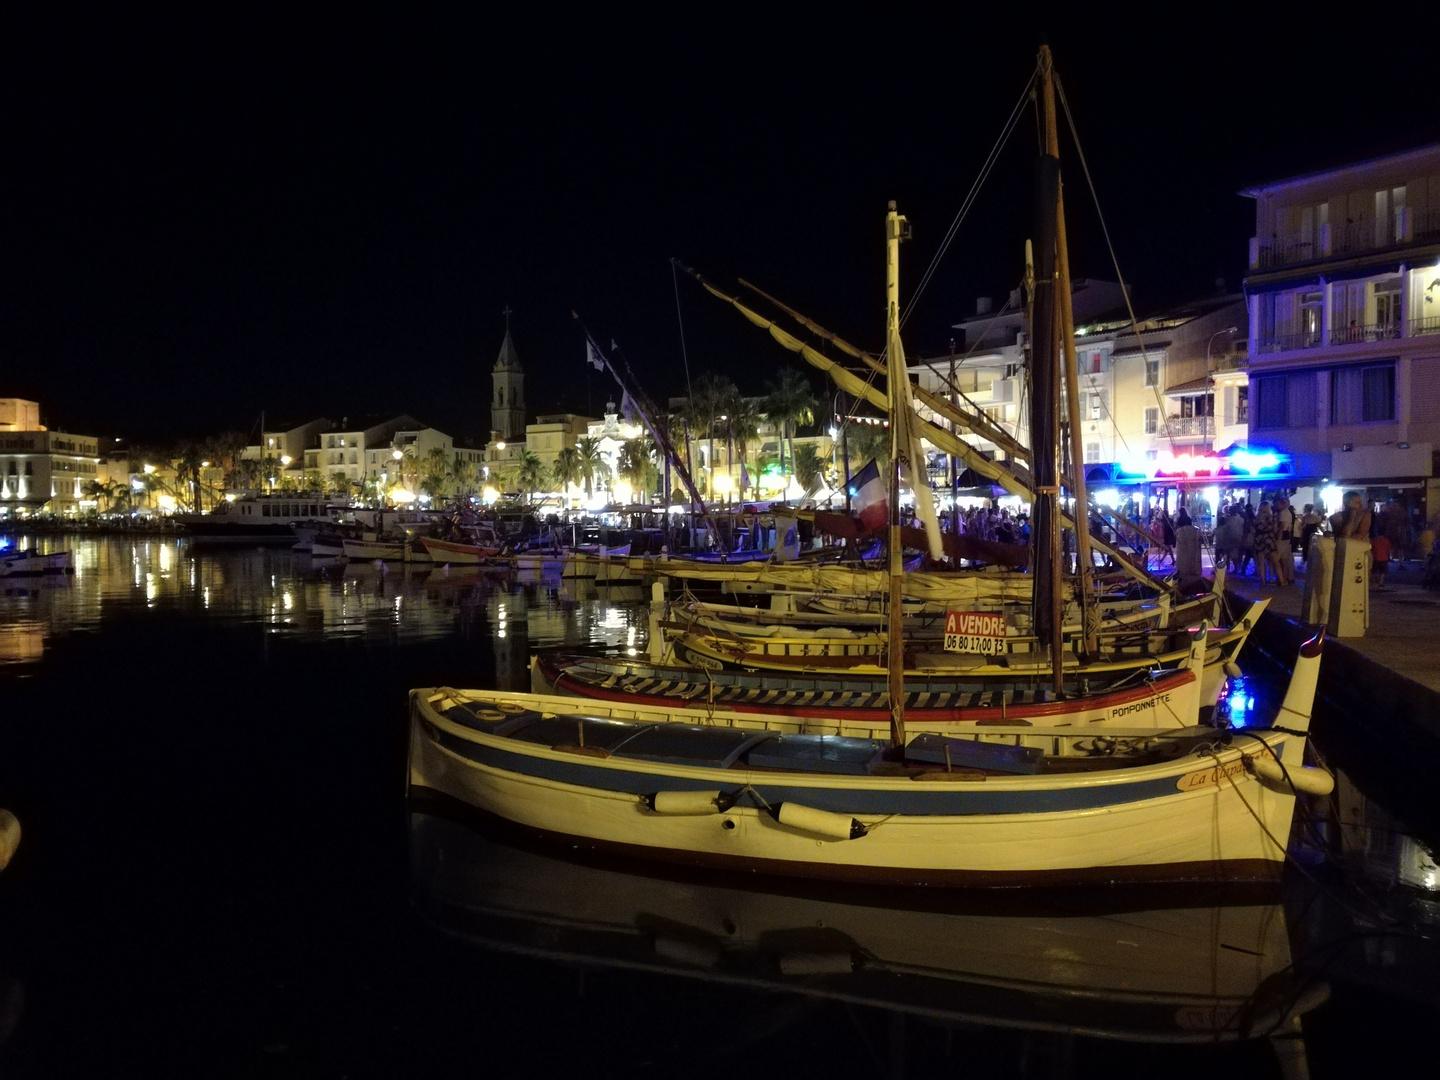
(1190, 427)
(1303, 339)
(1420, 327)
(1351, 238)
(1353, 335)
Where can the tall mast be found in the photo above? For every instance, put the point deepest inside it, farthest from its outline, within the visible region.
(1081, 510)
(896, 228)
(1044, 412)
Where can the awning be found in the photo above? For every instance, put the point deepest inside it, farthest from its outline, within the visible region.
(1194, 386)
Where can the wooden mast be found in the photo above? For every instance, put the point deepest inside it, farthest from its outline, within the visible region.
(1044, 417)
(896, 228)
(1084, 585)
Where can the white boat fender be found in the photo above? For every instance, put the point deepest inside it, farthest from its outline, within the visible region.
(1232, 669)
(690, 803)
(820, 822)
(1304, 778)
(9, 837)
(694, 953)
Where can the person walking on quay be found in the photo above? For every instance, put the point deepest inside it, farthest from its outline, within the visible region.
(1353, 522)
(1379, 560)
(1394, 523)
(1310, 522)
(1285, 539)
(1287, 527)
(1162, 536)
(1267, 538)
(1230, 540)
(1247, 539)
(1187, 551)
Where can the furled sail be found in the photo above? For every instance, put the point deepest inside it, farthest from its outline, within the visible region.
(943, 440)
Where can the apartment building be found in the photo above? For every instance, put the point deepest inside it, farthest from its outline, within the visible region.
(1165, 397)
(1344, 297)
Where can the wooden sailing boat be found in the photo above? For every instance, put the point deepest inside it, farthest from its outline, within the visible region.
(1091, 634)
(798, 796)
(769, 794)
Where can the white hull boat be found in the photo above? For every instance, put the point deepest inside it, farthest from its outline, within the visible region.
(1200, 804)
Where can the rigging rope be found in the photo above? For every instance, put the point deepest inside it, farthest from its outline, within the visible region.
(684, 354)
(974, 192)
(1114, 259)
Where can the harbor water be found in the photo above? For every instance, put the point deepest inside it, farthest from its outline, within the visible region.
(220, 876)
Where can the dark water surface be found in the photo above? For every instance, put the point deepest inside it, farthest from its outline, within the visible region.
(219, 876)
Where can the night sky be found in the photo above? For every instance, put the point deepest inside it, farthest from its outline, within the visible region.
(207, 219)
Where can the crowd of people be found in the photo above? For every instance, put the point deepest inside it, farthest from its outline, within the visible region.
(999, 525)
(1265, 538)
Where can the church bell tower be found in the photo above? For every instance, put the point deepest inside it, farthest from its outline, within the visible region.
(507, 407)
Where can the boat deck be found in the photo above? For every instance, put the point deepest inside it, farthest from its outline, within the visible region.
(758, 749)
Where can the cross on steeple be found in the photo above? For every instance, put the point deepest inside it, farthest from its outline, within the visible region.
(507, 313)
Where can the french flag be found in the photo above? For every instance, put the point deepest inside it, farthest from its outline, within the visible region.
(867, 493)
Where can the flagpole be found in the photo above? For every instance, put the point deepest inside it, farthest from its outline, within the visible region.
(647, 412)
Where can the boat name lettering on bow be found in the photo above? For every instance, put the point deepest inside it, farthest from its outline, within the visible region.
(975, 632)
(1139, 706)
(1206, 777)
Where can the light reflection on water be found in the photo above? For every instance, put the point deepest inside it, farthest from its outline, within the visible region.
(287, 593)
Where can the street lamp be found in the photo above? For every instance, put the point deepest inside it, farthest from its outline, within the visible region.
(1205, 423)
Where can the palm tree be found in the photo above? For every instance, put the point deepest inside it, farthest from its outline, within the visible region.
(636, 464)
(566, 469)
(188, 456)
(810, 469)
(593, 468)
(94, 489)
(743, 428)
(530, 474)
(867, 442)
(406, 466)
(339, 482)
(709, 399)
(463, 476)
(271, 470)
(791, 401)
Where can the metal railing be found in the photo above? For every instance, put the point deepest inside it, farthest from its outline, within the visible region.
(1190, 427)
(1418, 327)
(1354, 333)
(1304, 339)
(1349, 238)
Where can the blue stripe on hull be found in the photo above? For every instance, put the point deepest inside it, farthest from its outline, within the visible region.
(927, 800)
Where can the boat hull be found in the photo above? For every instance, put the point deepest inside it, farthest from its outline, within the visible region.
(1169, 699)
(1199, 818)
(31, 564)
(447, 551)
(398, 551)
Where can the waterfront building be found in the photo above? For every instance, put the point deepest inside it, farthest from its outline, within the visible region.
(1163, 402)
(41, 471)
(282, 451)
(554, 432)
(1344, 294)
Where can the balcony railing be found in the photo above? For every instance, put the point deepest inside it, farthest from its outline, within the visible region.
(1353, 334)
(1418, 327)
(1304, 339)
(1328, 241)
(1190, 427)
